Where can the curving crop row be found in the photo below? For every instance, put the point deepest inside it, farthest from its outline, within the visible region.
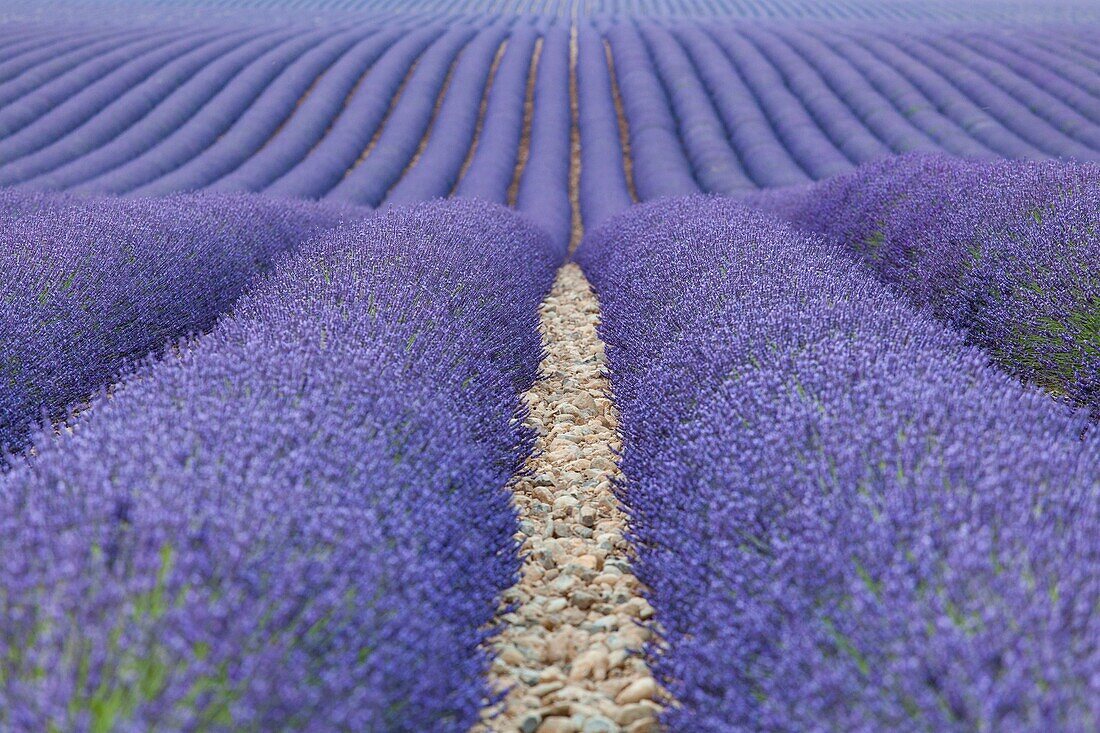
(1067, 81)
(316, 114)
(434, 170)
(1006, 251)
(491, 165)
(982, 85)
(764, 159)
(1040, 98)
(977, 121)
(604, 188)
(909, 100)
(344, 139)
(123, 112)
(801, 135)
(543, 193)
(846, 519)
(87, 87)
(713, 160)
(380, 111)
(858, 93)
(1079, 75)
(91, 285)
(182, 105)
(185, 142)
(28, 66)
(660, 167)
(259, 121)
(828, 111)
(410, 117)
(298, 522)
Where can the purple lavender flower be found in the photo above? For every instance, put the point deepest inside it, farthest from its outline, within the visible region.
(847, 519)
(1007, 251)
(89, 285)
(298, 521)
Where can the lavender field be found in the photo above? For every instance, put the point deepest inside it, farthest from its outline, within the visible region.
(553, 366)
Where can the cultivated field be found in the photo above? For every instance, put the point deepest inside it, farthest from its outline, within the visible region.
(555, 366)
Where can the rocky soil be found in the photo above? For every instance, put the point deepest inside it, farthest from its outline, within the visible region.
(570, 651)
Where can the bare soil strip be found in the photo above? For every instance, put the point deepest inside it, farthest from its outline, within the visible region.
(574, 145)
(624, 127)
(483, 105)
(386, 117)
(524, 153)
(570, 652)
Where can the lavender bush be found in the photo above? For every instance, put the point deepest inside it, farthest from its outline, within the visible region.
(180, 144)
(89, 285)
(299, 521)
(408, 119)
(543, 194)
(1007, 251)
(436, 170)
(490, 167)
(847, 520)
(126, 109)
(310, 121)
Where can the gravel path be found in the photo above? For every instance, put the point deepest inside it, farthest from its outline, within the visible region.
(570, 652)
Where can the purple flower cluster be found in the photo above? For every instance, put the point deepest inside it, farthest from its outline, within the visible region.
(89, 285)
(297, 521)
(1007, 251)
(401, 106)
(543, 193)
(846, 518)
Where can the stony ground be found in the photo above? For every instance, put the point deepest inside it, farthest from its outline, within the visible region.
(570, 652)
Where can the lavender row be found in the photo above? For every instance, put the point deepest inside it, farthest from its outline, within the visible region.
(847, 519)
(62, 66)
(543, 192)
(605, 188)
(904, 96)
(342, 141)
(409, 117)
(451, 134)
(90, 285)
(126, 110)
(878, 97)
(298, 522)
(272, 103)
(922, 11)
(659, 163)
(758, 156)
(387, 111)
(43, 58)
(184, 143)
(57, 108)
(56, 168)
(696, 95)
(1028, 111)
(1006, 251)
(311, 119)
(490, 165)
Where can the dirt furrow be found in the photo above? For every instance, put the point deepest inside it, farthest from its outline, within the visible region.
(570, 651)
